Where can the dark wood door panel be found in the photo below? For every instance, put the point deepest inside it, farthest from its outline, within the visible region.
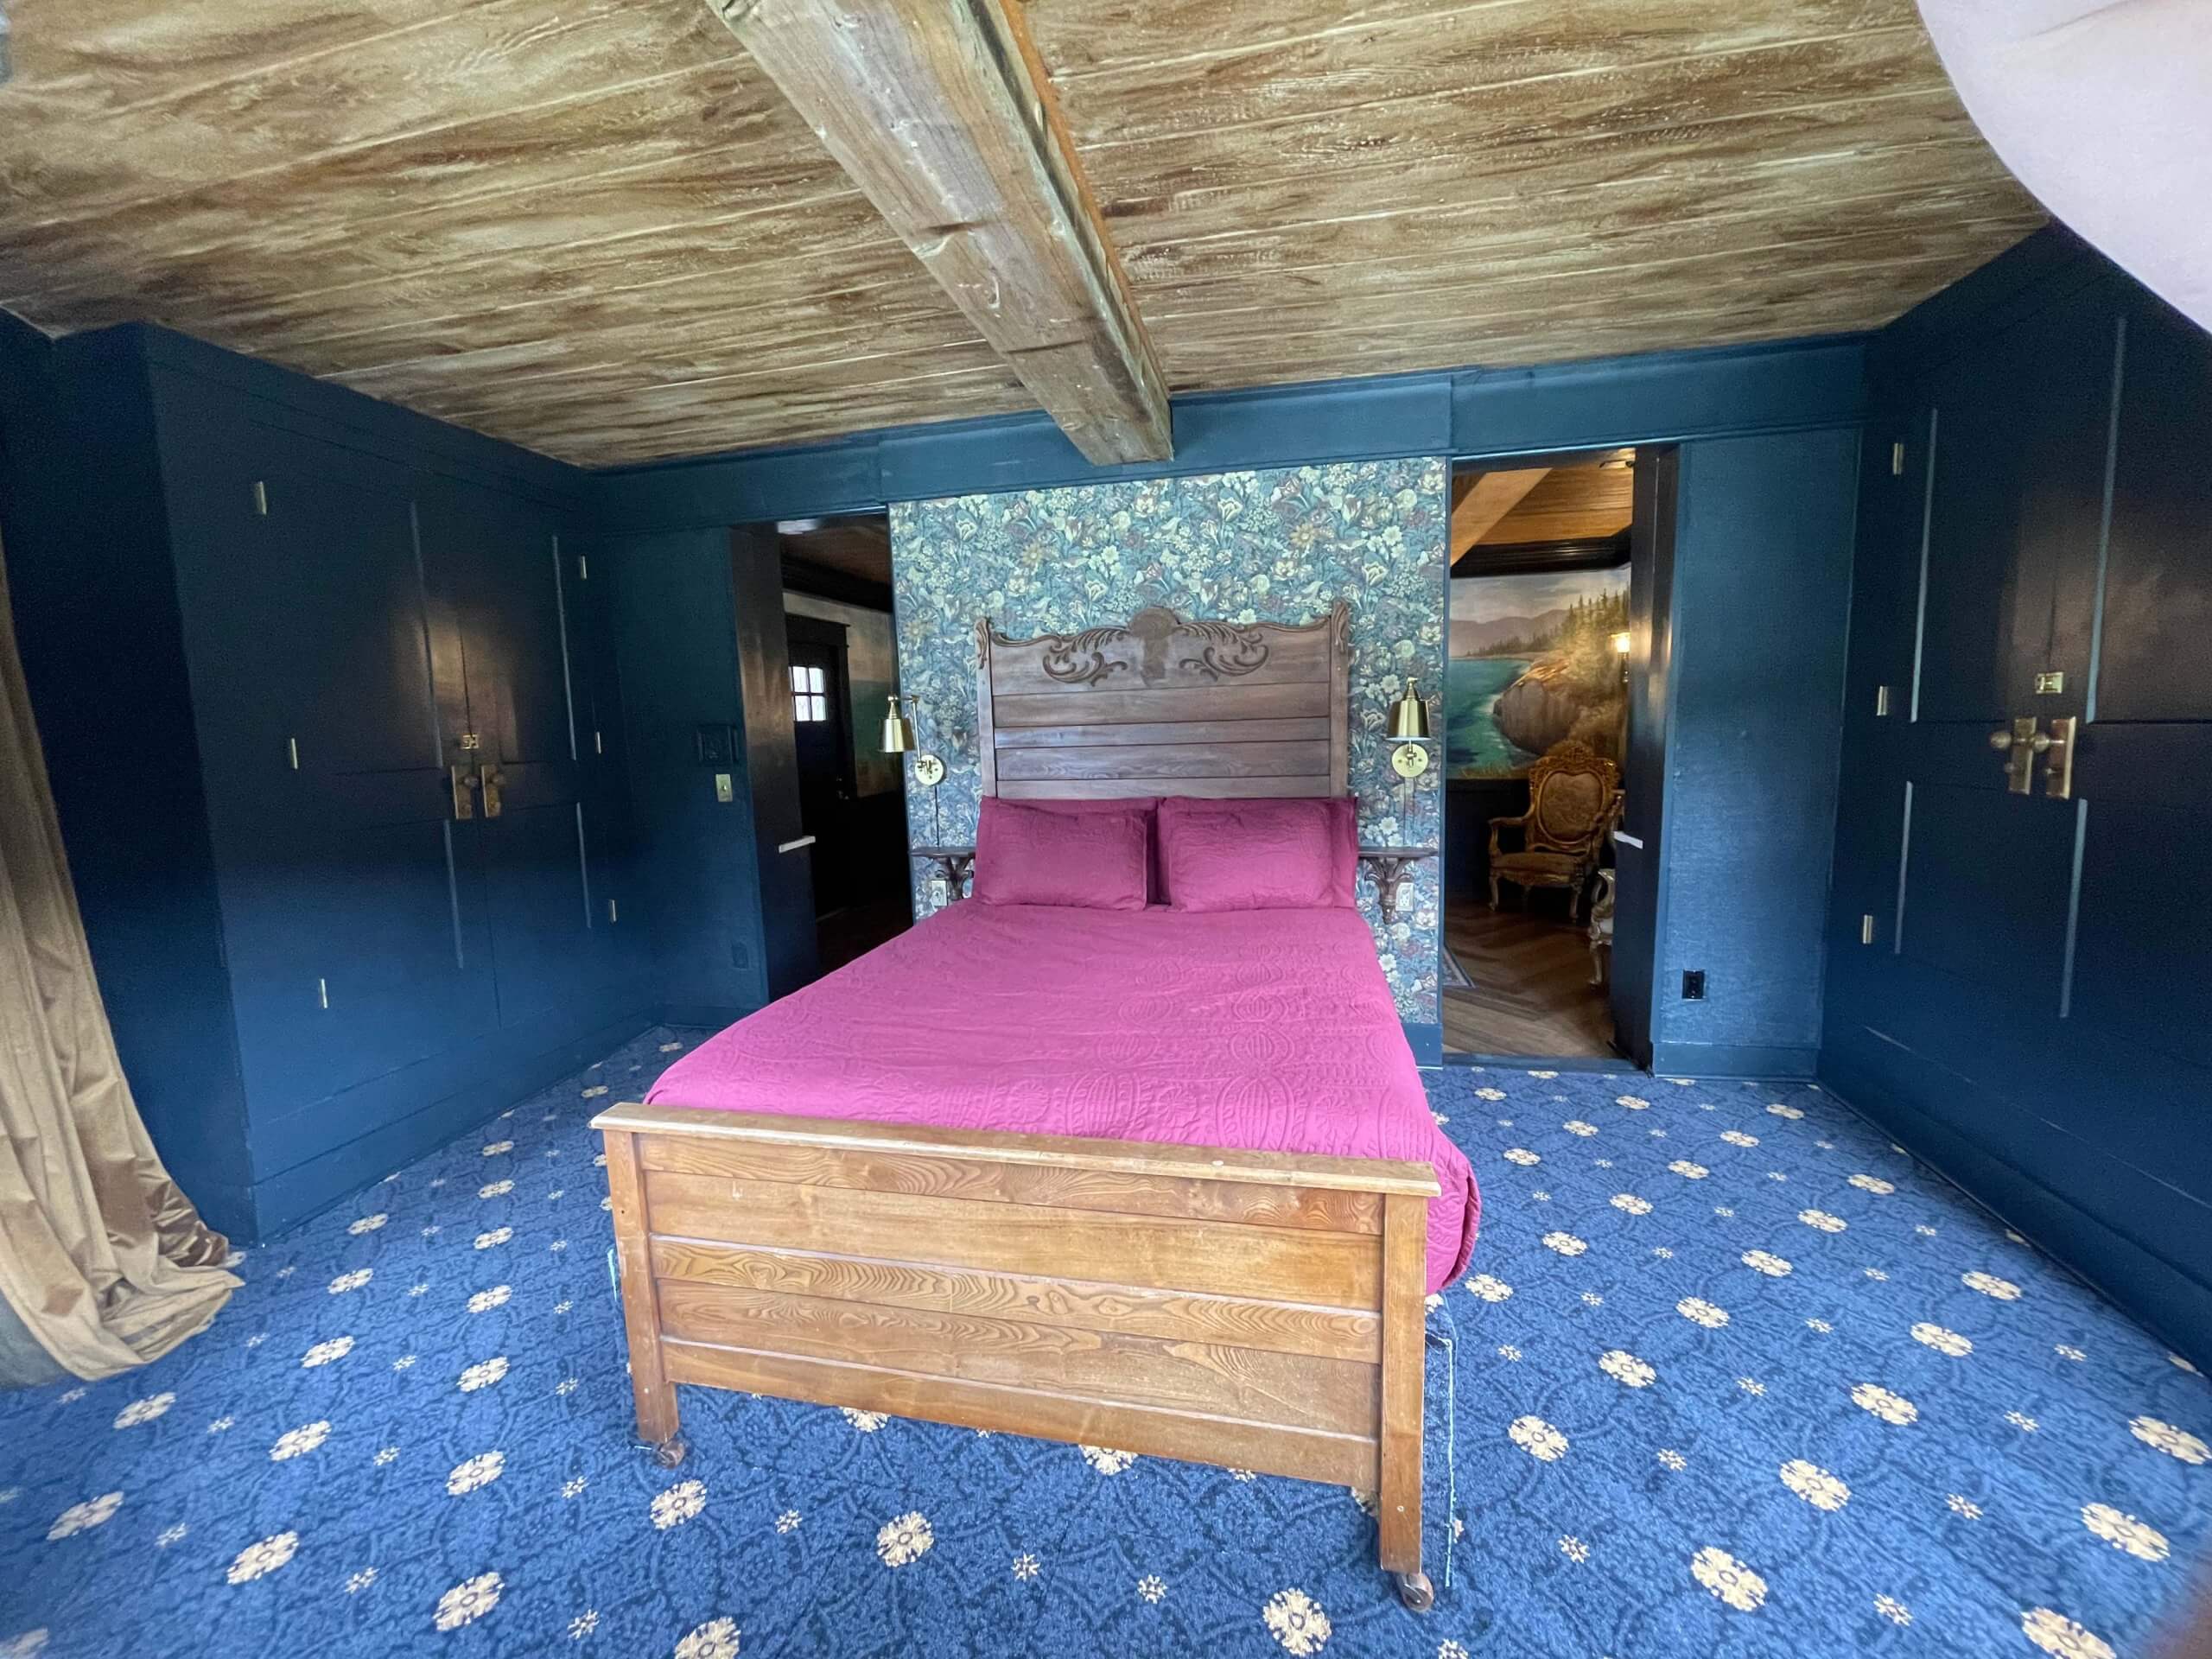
(2156, 660)
(350, 958)
(2016, 1080)
(307, 618)
(546, 926)
(494, 563)
(2143, 944)
(2017, 493)
(1983, 891)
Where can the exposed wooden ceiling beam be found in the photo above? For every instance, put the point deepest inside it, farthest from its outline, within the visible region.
(1480, 502)
(942, 113)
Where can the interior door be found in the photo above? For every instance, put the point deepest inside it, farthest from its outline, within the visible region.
(821, 731)
(499, 582)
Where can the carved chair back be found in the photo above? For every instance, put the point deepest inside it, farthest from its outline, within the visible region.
(1571, 791)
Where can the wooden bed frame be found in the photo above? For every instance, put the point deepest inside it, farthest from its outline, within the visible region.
(1260, 1311)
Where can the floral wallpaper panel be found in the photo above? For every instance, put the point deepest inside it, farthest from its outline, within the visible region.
(1275, 546)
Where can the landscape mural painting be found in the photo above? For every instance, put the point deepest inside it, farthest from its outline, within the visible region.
(1532, 664)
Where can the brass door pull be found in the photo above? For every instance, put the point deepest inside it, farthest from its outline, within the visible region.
(2020, 743)
(493, 777)
(2058, 773)
(464, 782)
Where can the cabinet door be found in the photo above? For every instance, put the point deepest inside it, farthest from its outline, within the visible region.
(499, 587)
(352, 951)
(2045, 990)
(2142, 911)
(2013, 467)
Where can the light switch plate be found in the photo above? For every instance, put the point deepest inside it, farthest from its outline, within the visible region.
(937, 893)
(725, 789)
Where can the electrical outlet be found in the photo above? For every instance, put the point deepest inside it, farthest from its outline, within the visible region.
(939, 894)
(725, 789)
(1692, 984)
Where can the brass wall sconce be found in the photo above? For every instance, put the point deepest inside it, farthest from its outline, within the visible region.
(898, 738)
(1409, 731)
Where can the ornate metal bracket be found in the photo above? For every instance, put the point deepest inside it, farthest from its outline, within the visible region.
(952, 864)
(1390, 866)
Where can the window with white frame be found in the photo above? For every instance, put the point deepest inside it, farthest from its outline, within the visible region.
(810, 702)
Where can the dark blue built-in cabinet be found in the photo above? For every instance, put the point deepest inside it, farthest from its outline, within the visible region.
(2020, 963)
(329, 704)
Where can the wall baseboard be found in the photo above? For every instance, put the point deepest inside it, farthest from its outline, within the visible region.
(1750, 1061)
(702, 1016)
(2175, 1304)
(283, 1201)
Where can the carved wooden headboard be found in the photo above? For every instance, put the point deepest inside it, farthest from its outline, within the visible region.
(1164, 706)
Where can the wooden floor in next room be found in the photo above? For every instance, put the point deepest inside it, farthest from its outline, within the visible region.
(1528, 990)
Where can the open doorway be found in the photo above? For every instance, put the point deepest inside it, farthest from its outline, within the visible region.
(836, 577)
(1537, 724)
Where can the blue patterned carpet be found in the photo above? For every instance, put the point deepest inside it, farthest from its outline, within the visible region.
(1732, 1376)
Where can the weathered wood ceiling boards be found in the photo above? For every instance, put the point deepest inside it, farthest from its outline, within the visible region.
(1586, 500)
(597, 229)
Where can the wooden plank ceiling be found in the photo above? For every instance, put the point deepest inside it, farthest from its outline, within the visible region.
(594, 228)
(1589, 500)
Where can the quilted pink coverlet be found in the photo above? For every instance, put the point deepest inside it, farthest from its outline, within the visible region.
(1264, 1031)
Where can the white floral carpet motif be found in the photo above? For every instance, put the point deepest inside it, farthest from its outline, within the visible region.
(1733, 1376)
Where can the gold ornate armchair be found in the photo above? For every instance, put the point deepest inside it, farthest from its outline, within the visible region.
(1573, 795)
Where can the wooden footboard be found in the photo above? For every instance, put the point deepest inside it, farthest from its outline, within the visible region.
(1252, 1310)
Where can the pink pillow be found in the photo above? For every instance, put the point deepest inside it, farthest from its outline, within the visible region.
(1075, 805)
(1260, 854)
(1028, 855)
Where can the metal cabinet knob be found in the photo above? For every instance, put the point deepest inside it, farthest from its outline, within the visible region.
(2001, 740)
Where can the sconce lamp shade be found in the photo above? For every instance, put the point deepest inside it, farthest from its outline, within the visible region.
(897, 730)
(1409, 718)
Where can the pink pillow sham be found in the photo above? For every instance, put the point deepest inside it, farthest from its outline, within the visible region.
(1075, 806)
(1259, 855)
(1033, 854)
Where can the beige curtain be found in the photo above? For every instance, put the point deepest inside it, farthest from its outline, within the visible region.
(104, 1263)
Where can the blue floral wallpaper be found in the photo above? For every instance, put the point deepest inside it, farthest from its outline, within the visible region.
(1278, 546)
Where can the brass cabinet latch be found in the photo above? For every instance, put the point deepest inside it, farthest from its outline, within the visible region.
(2058, 758)
(464, 783)
(2020, 743)
(491, 778)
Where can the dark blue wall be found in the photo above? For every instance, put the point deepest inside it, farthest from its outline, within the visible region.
(676, 639)
(1753, 714)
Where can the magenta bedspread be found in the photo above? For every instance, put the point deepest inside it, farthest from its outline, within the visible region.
(1266, 1031)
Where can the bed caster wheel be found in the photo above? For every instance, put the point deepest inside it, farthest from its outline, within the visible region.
(669, 1452)
(1415, 1590)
